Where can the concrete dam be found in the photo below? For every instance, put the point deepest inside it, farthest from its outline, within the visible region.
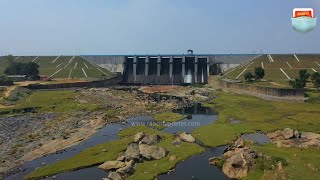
(167, 69)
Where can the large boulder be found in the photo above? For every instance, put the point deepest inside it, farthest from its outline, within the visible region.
(115, 176)
(150, 139)
(138, 137)
(128, 169)
(214, 160)
(176, 142)
(132, 152)
(236, 167)
(275, 134)
(310, 135)
(109, 165)
(239, 143)
(187, 137)
(288, 133)
(152, 152)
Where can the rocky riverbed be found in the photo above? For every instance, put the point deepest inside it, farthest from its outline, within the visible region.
(28, 136)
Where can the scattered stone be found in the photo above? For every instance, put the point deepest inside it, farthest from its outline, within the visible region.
(172, 158)
(132, 152)
(280, 167)
(236, 167)
(239, 143)
(121, 158)
(152, 152)
(115, 176)
(109, 165)
(128, 169)
(104, 150)
(275, 135)
(138, 137)
(293, 138)
(214, 160)
(176, 142)
(288, 133)
(310, 135)
(150, 139)
(187, 137)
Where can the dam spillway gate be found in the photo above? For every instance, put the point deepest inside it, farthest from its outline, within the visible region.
(165, 70)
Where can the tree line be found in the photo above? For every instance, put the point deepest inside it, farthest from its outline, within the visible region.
(299, 82)
(30, 69)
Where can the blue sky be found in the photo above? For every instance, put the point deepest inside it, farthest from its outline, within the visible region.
(47, 27)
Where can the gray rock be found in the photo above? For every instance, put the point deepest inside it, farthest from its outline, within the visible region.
(109, 165)
(132, 152)
(138, 137)
(121, 158)
(288, 133)
(187, 137)
(236, 167)
(152, 152)
(150, 139)
(115, 176)
(296, 134)
(127, 170)
(176, 142)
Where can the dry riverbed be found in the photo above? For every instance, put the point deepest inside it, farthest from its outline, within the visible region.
(27, 136)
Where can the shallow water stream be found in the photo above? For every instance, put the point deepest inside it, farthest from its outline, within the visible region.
(196, 166)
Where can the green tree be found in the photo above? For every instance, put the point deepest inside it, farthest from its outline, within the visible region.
(259, 72)
(302, 80)
(314, 76)
(31, 69)
(248, 76)
(5, 81)
(317, 82)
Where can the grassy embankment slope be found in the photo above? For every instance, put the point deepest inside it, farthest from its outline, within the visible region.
(289, 63)
(61, 66)
(146, 170)
(257, 114)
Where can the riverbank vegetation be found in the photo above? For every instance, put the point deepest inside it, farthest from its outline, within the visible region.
(168, 117)
(301, 163)
(52, 101)
(239, 114)
(110, 150)
(255, 114)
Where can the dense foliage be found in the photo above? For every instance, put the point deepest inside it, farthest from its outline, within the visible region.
(5, 81)
(259, 72)
(30, 69)
(248, 76)
(302, 80)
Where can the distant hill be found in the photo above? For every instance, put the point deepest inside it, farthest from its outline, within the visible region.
(62, 66)
(278, 67)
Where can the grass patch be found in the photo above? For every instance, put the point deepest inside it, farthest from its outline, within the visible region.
(298, 163)
(168, 117)
(18, 95)
(54, 101)
(87, 158)
(255, 114)
(146, 170)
